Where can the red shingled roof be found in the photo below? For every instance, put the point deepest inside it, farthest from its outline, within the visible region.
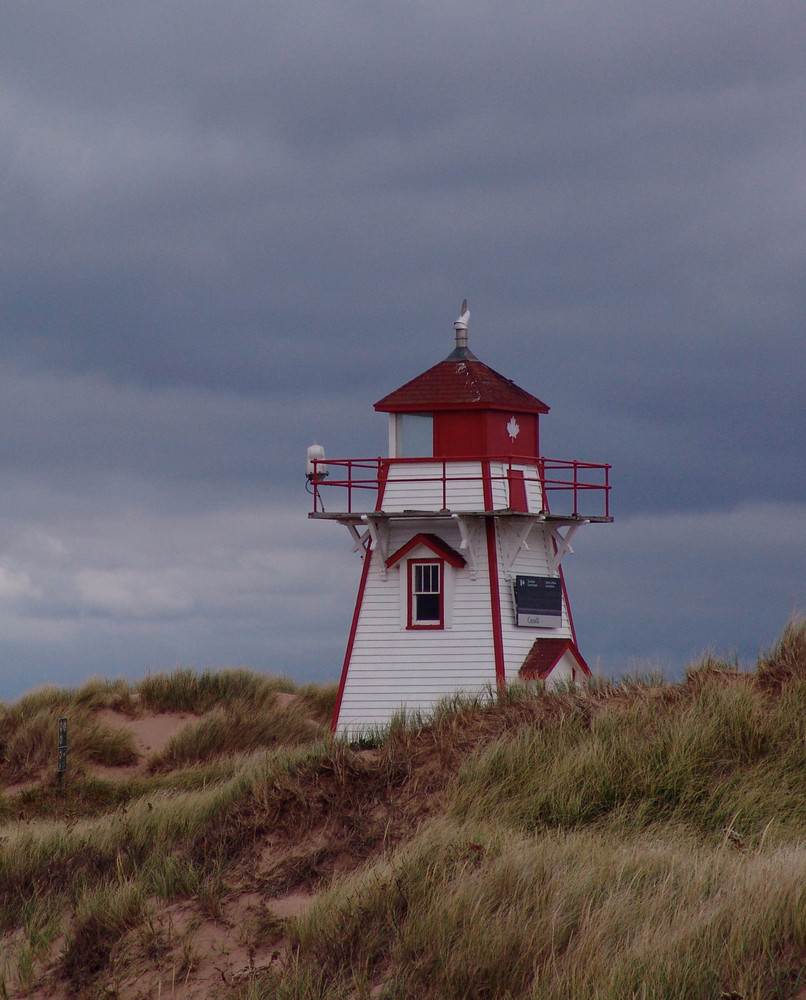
(545, 654)
(460, 383)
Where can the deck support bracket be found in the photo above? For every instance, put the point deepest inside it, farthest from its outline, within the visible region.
(470, 528)
(360, 538)
(562, 543)
(378, 529)
(519, 543)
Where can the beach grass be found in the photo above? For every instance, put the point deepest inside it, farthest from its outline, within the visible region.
(628, 840)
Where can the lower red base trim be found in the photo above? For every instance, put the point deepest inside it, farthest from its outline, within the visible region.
(349, 652)
(495, 593)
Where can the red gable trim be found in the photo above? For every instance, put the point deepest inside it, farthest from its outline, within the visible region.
(544, 656)
(362, 586)
(433, 542)
(460, 385)
(354, 625)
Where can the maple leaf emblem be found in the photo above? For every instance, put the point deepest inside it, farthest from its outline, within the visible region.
(513, 428)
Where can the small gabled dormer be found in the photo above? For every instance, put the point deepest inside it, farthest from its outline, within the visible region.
(426, 564)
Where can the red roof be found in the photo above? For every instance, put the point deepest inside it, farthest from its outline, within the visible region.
(460, 382)
(545, 654)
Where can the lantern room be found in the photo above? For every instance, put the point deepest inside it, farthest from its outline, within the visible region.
(462, 408)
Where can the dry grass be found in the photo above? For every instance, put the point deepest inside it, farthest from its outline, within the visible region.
(237, 728)
(786, 660)
(28, 741)
(475, 911)
(188, 691)
(632, 840)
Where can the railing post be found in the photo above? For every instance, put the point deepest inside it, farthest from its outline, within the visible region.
(560, 481)
(541, 472)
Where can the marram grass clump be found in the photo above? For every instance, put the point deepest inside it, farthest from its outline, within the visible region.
(478, 911)
(238, 728)
(28, 738)
(719, 752)
(630, 840)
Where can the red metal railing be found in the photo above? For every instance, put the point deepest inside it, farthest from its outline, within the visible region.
(582, 480)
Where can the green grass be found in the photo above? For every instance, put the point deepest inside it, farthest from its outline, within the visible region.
(634, 840)
(188, 691)
(477, 911)
(28, 741)
(705, 756)
(238, 728)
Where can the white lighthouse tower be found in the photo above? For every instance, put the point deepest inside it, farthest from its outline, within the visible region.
(462, 530)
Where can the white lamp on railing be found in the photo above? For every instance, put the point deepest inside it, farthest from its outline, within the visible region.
(315, 473)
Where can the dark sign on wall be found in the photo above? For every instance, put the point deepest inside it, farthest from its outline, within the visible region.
(538, 601)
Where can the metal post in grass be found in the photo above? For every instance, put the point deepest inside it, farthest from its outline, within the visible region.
(62, 764)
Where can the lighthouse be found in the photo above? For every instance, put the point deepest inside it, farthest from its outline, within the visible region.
(462, 531)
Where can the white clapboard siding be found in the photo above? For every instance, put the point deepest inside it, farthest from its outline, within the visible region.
(518, 639)
(419, 486)
(392, 667)
(534, 491)
(500, 485)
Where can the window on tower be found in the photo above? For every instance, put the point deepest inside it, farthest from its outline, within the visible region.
(414, 435)
(426, 605)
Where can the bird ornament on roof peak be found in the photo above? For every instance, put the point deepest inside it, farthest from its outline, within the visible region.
(464, 316)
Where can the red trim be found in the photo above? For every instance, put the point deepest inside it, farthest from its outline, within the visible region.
(440, 548)
(351, 640)
(495, 592)
(556, 475)
(559, 568)
(544, 656)
(357, 610)
(383, 475)
(565, 598)
(418, 626)
(517, 490)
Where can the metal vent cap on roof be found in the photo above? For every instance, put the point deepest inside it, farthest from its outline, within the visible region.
(460, 326)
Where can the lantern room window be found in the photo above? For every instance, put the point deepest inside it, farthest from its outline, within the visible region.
(426, 604)
(413, 435)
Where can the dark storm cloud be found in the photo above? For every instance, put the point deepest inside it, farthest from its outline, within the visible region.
(722, 580)
(227, 230)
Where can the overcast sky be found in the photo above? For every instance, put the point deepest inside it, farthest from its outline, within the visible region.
(227, 229)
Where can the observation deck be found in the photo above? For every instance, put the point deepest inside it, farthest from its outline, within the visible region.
(548, 489)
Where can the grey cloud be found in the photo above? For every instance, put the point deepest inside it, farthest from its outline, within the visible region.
(679, 584)
(231, 586)
(228, 231)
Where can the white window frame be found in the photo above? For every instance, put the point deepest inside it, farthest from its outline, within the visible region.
(412, 567)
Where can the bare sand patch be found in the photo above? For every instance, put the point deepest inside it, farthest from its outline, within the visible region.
(295, 904)
(151, 731)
